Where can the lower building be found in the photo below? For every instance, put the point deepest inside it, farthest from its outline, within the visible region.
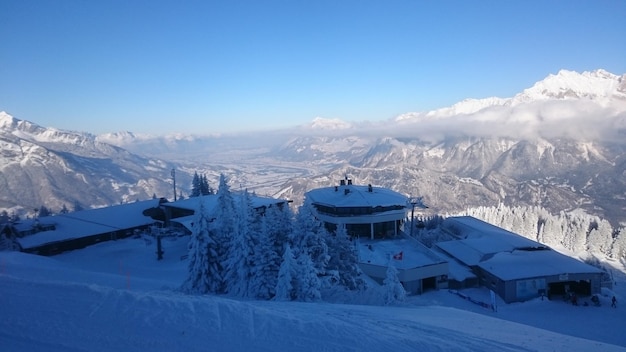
(515, 267)
(419, 269)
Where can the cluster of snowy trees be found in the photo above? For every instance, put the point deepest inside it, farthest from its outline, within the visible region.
(200, 186)
(238, 250)
(576, 231)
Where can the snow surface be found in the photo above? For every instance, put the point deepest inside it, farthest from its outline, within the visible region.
(115, 296)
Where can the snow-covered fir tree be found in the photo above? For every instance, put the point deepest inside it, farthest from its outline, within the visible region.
(343, 265)
(309, 236)
(267, 262)
(43, 211)
(200, 186)
(393, 291)
(280, 219)
(285, 290)
(195, 185)
(205, 272)
(307, 284)
(225, 223)
(239, 262)
(205, 188)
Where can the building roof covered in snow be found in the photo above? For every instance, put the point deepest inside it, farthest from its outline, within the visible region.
(89, 222)
(478, 240)
(505, 254)
(404, 252)
(521, 264)
(348, 195)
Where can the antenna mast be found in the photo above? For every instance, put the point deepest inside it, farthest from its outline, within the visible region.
(174, 179)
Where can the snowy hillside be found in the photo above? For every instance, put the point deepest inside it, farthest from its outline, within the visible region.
(115, 296)
(42, 166)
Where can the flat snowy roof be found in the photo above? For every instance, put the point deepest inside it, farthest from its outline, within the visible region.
(479, 240)
(414, 254)
(356, 196)
(505, 254)
(522, 264)
(91, 222)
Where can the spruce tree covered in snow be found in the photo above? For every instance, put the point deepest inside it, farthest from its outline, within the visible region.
(204, 275)
(343, 265)
(43, 211)
(205, 189)
(285, 290)
(307, 284)
(618, 248)
(225, 223)
(239, 262)
(309, 236)
(267, 262)
(195, 185)
(393, 291)
(281, 221)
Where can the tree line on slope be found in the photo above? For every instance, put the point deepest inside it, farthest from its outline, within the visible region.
(237, 250)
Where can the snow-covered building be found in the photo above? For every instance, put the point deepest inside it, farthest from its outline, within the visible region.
(375, 216)
(419, 268)
(366, 211)
(515, 267)
(58, 233)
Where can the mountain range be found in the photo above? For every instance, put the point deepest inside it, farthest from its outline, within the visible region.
(560, 144)
(53, 168)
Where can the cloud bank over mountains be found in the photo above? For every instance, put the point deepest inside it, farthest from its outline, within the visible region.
(588, 105)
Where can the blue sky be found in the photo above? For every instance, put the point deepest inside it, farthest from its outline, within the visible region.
(205, 67)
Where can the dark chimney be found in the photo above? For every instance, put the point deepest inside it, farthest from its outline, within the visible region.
(349, 181)
(342, 182)
(369, 187)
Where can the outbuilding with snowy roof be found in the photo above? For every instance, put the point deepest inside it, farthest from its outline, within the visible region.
(63, 232)
(515, 267)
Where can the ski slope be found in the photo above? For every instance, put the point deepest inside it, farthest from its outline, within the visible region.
(115, 296)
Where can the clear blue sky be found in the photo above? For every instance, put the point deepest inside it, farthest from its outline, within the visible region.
(205, 66)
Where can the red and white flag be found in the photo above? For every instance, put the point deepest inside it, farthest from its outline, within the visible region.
(398, 256)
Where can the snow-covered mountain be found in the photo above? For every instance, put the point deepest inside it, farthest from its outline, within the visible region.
(600, 86)
(560, 144)
(54, 168)
(580, 98)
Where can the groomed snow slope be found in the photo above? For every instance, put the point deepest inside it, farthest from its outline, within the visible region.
(116, 297)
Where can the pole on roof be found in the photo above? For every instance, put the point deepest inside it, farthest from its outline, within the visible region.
(174, 179)
(413, 202)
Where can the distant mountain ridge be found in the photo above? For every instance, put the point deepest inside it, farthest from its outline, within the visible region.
(560, 144)
(599, 86)
(54, 168)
